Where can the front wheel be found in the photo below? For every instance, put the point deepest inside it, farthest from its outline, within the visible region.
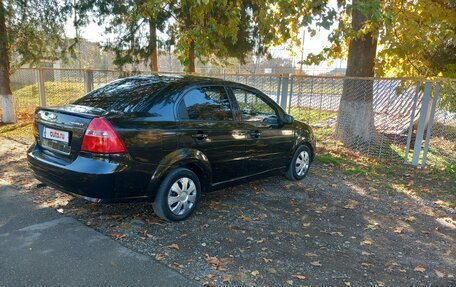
(178, 195)
(300, 163)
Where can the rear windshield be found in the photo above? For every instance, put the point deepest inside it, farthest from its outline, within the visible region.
(125, 95)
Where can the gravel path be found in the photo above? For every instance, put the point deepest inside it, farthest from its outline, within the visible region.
(329, 230)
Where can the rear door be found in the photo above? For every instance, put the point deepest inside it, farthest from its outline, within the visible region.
(268, 142)
(207, 123)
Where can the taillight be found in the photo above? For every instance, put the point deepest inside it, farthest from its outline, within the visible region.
(100, 137)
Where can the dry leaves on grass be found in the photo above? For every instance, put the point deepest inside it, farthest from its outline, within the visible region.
(299, 276)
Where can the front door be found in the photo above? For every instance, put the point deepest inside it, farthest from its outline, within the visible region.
(268, 142)
(207, 124)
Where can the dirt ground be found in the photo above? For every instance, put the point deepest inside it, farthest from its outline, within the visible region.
(332, 229)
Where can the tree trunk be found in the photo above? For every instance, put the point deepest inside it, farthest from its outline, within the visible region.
(153, 46)
(191, 58)
(355, 121)
(8, 115)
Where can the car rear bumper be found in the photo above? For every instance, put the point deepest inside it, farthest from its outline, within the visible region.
(95, 179)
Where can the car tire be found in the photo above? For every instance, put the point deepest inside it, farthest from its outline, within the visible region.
(300, 163)
(178, 195)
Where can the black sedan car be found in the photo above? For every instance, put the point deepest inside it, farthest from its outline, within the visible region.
(166, 139)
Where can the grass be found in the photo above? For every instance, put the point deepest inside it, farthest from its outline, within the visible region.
(312, 116)
(436, 182)
(57, 93)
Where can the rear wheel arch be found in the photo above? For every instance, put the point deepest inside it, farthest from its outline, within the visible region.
(191, 159)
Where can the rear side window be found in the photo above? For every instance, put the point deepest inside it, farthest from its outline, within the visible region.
(207, 103)
(125, 95)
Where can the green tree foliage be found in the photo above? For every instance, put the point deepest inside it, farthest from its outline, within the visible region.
(203, 30)
(134, 25)
(415, 38)
(30, 32)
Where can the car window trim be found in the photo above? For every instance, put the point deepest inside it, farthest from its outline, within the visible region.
(186, 91)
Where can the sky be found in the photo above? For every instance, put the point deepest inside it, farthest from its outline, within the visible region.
(95, 33)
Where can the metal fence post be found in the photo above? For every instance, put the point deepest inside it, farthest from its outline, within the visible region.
(41, 88)
(412, 119)
(284, 91)
(88, 81)
(429, 127)
(421, 123)
(279, 85)
(290, 94)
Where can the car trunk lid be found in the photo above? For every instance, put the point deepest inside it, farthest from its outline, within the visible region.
(60, 130)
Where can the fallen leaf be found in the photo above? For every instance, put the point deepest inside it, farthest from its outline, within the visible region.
(347, 283)
(117, 235)
(419, 268)
(210, 276)
(366, 242)
(316, 263)
(352, 204)
(267, 260)
(177, 265)
(399, 230)
(227, 279)
(173, 246)
(161, 256)
(213, 261)
(439, 273)
(364, 253)
(310, 254)
(411, 219)
(255, 273)
(290, 282)
(300, 277)
(209, 284)
(248, 218)
(306, 224)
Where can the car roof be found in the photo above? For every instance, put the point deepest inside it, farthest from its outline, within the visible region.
(184, 80)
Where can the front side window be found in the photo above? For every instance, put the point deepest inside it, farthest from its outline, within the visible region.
(207, 103)
(254, 108)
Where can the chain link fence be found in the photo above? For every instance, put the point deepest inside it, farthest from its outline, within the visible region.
(330, 104)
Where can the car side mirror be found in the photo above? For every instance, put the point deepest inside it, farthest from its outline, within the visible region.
(287, 119)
